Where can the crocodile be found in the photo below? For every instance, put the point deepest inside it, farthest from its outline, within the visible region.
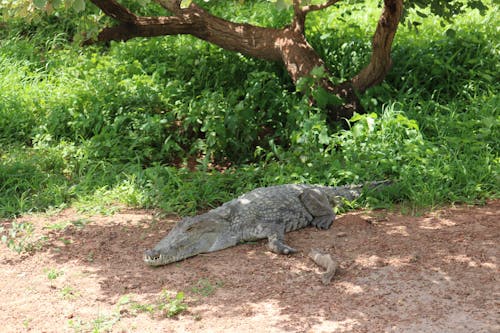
(265, 212)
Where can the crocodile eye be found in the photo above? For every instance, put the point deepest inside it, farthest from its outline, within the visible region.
(194, 226)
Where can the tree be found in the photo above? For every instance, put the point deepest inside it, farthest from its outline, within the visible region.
(287, 45)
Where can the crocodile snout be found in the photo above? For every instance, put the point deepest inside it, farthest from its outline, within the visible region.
(151, 255)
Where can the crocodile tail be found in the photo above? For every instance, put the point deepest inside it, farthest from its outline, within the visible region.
(352, 192)
(375, 184)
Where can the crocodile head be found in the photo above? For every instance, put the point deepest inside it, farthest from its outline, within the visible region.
(191, 236)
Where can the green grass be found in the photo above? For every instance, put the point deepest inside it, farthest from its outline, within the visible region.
(165, 305)
(103, 126)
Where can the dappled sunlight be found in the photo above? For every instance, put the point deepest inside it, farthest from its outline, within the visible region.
(438, 276)
(434, 223)
(399, 230)
(300, 267)
(350, 288)
(244, 201)
(489, 265)
(471, 263)
(328, 326)
(370, 261)
(401, 261)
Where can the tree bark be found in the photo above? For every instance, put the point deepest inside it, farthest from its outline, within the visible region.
(287, 45)
(380, 62)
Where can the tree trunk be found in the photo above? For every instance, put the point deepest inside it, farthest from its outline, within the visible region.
(287, 45)
(380, 62)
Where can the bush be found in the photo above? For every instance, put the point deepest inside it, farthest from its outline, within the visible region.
(179, 124)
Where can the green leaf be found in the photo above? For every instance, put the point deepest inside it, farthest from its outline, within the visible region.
(186, 3)
(323, 137)
(179, 296)
(356, 117)
(318, 72)
(304, 84)
(450, 33)
(283, 4)
(79, 5)
(40, 4)
(320, 95)
(421, 14)
(324, 98)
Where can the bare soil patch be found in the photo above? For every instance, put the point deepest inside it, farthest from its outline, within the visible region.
(433, 273)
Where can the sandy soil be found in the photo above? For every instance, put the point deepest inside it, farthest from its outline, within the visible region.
(433, 273)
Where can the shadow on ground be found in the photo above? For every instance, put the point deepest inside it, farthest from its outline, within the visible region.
(398, 273)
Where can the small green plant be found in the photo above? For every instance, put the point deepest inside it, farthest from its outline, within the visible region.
(172, 306)
(59, 226)
(206, 288)
(90, 256)
(65, 241)
(103, 323)
(26, 322)
(52, 274)
(126, 302)
(138, 307)
(20, 237)
(69, 293)
(76, 324)
(166, 305)
(80, 223)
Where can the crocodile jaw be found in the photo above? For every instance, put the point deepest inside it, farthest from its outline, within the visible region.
(172, 249)
(156, 258)
(164, 255)
(191, 236)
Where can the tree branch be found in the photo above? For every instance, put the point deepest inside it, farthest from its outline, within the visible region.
(380, 62)
(297, 6)
(247, 39)
(310, 8)
(115, 10)
(300, 12)
(299, 18)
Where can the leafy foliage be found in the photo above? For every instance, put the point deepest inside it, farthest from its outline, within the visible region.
(447, 9)
(175, 123)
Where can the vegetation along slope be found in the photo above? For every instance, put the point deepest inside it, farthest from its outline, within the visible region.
(177, 123)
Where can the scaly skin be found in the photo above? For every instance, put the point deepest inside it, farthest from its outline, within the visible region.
(266, 212)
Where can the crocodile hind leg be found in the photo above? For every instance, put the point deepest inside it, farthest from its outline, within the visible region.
(277, 245)
(317, 204)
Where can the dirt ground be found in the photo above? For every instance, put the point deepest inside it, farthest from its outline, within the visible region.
(433, 273)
